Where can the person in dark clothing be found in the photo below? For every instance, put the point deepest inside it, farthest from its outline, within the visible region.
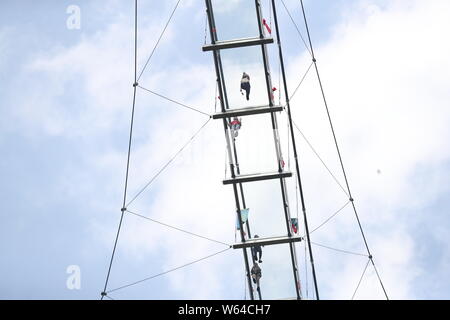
(257, 252)
(256, 274)
(245, 85)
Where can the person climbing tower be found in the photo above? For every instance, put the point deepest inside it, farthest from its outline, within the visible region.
(256, 274)
(235, 125)
(294, 225)
(245, 85)
(257, 252)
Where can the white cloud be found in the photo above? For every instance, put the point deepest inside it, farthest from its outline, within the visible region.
(384, 71)
(388, 97)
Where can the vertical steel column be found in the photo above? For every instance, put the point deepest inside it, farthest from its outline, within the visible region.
(294, 147)
(238, 171)
(278, 149)
(219, 73)
(224, 96)
(244, 205)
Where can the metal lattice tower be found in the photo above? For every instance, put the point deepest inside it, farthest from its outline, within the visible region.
(237, 181)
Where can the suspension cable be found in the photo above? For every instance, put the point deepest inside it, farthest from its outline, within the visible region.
(306, 271)
(331, 217)
(245, 285)
(216, 96)
(301, 81)
(206, 27)
(270, 15)
(129, 150)
(175, 102)
(296, 27)
(109, 297)
(176, 228)
(338, 150)
(167, 164)
(159, 39)
(360, 280)
(340, 250)
(166, 272)
(320, 158)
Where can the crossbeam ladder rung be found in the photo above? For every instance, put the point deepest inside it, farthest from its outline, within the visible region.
(257, 177)
(246, 111)
(266, 241)
(237, 43)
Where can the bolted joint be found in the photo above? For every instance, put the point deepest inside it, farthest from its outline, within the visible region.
(314, 60)
(135, 84)
(351, 199)
(103, 294)
(123, 209)
(370, 257)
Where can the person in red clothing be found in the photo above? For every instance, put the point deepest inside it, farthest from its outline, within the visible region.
(235, 125)
(294, 224)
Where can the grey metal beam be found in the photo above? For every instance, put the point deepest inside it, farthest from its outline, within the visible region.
(237, 43)
(246, 111)
(266, 241)
(257, 177)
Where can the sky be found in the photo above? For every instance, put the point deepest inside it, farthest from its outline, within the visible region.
(66, 106)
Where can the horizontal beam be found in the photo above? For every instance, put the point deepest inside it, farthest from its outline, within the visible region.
(246, 111)
(237, 43)
(266, 242)
(257, 177)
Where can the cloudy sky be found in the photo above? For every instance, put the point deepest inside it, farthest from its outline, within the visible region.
(66, 105)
